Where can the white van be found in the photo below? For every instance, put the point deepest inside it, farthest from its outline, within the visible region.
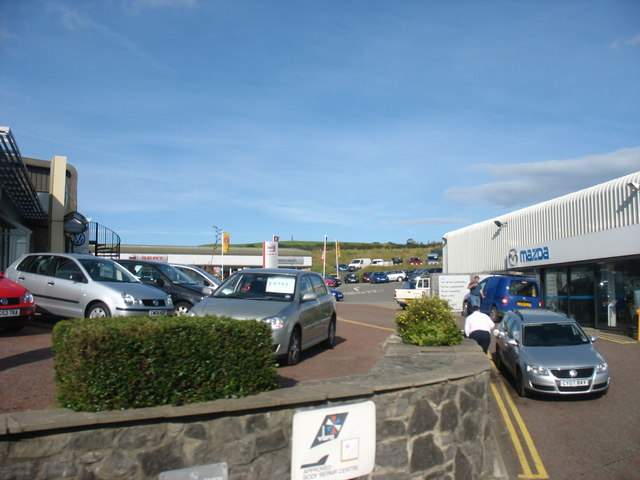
(358, 263)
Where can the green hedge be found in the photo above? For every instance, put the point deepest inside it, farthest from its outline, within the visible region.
(133, 362)
(428, 322)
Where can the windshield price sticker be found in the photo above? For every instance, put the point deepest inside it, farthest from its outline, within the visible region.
(337, 443)
(280, 284)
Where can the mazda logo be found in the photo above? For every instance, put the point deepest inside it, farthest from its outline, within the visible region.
(513, 257)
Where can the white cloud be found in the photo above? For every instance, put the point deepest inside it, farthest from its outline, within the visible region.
(521, 184)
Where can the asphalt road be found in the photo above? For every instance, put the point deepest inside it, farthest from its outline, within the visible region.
(589, 438)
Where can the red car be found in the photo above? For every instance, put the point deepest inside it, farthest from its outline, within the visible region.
(16, 305)
(415, 261)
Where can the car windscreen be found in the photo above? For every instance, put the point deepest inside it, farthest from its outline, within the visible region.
(524, 288)
(554, 335)
(258, 286)
(102, 270)
(176, 276)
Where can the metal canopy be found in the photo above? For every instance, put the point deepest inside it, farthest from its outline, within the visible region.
(15, 179)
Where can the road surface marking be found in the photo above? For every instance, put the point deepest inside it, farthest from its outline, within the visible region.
(366, 324)
(508, 410)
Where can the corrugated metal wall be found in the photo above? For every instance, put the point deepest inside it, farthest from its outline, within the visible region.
(483, 247)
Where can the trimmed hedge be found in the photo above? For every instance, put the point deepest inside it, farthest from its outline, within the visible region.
(134, 362)
(428, 322)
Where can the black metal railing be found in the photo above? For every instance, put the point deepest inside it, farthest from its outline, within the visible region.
(103, 242)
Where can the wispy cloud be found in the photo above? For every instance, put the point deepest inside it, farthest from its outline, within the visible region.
(630, 42)
(521, 184)
(75, 21)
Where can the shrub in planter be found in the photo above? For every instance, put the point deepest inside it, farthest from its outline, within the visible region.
(428, 322)
(133, 362)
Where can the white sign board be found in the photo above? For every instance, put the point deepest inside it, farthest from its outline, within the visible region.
(453, 288)
(336, 443)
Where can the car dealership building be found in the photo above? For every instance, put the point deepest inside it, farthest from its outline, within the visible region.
(584, 248)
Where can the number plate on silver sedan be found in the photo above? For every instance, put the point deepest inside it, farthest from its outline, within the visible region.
(157, 313)
(574, 383)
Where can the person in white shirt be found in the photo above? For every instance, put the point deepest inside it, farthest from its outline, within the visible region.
(478, 326)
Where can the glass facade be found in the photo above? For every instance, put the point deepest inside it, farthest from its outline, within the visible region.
(603, 295)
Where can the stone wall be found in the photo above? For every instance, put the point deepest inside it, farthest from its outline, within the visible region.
(432, 422)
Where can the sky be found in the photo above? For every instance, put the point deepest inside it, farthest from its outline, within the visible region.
(358, 120)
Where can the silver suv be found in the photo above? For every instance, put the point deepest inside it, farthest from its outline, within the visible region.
(75, 286)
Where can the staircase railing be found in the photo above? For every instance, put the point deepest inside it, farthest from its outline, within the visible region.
(103, 242)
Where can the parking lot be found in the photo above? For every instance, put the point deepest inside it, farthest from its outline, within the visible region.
(540, 437)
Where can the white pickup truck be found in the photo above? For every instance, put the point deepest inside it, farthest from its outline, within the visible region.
(417, 288)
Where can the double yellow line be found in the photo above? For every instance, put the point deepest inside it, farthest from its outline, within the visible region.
(530, 461)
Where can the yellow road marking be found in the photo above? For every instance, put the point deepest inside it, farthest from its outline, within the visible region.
(508, 409)
(366, 324)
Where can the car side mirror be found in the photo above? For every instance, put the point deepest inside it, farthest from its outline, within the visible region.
(207, 291)
(593, 338)
(309, 296)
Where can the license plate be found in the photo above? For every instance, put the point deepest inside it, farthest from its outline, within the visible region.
(574, 383)
(14, 312)
(523, 304)
(157, 313)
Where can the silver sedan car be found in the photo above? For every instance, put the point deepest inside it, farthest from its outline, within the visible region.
(296, 303)
(548, 352)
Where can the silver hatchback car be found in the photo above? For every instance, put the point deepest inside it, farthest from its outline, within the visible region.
(75, 286)
(297, 305)
(548, 352)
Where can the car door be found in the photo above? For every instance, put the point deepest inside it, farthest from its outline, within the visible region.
(66, 288)
(31, 273)
(510, 349)
(308, 318)
(325, 307)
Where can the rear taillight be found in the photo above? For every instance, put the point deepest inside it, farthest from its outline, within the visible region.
(504, 300)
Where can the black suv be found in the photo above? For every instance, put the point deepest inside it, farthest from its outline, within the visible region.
(184, 292)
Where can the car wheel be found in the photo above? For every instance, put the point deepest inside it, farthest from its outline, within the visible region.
(521, 390)
(13, 329)
(98, 310)
(331, 334)
(493, 313)
(182, 308)
(295, 344)
(465, 309)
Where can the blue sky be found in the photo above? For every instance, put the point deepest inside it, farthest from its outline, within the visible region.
(369, 121)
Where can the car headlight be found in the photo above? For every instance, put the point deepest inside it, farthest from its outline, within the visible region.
(276, 322)
(537, 370)
(602, 367)
(128, 299)
(27, 298)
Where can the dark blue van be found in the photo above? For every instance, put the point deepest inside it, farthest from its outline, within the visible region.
(504, 293)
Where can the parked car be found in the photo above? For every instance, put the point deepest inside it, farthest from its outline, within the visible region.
(351, 278)
(397, 261)
(332, 281)
(184, 292)
(548, 352)
(415, 261)
(378, 277)
(396, 275)
(75, 286)
(337, 294)
(503, 293)
(296, 303)
(342, 267)
(366, 276)
(16, 305)
(198, 275)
